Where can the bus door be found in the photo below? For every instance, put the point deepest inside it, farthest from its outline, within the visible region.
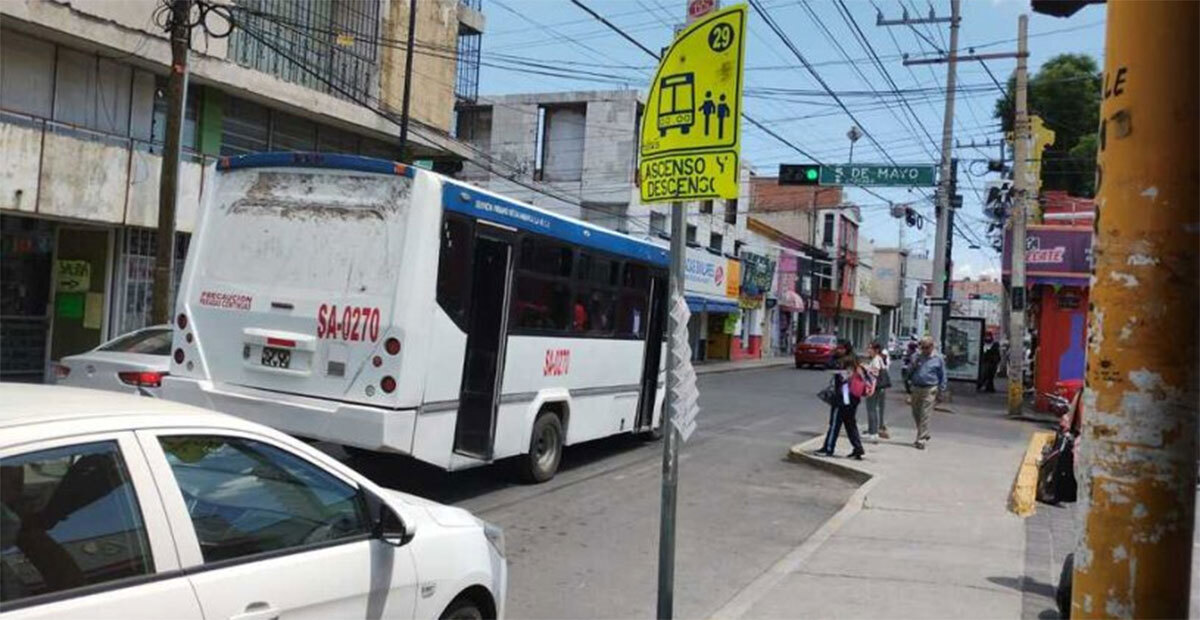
(655, 327)
(487, 326)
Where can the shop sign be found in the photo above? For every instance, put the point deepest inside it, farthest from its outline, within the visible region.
(1054, 251)
(733, 279)
(704, 273)
(757, 273)
(73, 276)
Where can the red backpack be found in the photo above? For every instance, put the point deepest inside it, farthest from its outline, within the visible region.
(861, 386)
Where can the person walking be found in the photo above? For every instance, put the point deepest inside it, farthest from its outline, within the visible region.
(842, 350)
(910, 353)
(877, 369)
(851, 385)
(928, 376)
(990, 362)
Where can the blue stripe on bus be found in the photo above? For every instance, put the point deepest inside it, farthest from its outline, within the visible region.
(462, 199)
(315, 160)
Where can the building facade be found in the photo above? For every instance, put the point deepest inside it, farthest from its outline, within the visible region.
(576, 153)
(887, 291)
(82, 122)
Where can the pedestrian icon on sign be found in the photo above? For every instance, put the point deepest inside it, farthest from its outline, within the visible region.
(722, 112)
(708, 108)
(677, 103)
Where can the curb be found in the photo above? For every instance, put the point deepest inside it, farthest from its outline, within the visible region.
(749, 595)
(1024, 492)
(720, 370)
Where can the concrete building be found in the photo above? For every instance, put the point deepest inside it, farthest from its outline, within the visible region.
(887, 292)
(860, 326)
(842, 313)
(82, 116)
(914, 314)
(979, 298)
(576, 153)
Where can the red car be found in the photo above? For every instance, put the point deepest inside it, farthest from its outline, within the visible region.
(817, 350)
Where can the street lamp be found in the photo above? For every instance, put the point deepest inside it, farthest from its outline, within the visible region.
(854, 134)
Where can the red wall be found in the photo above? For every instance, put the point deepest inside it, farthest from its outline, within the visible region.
(737, 352)
(1062, 337)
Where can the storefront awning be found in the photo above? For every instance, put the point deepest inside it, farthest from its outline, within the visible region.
(792, 301)
(715, 305)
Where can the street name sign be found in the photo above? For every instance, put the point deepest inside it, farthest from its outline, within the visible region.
(936, 301)
(691, 128)
(875, 175)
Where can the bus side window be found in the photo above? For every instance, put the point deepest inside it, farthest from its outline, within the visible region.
(454, 269)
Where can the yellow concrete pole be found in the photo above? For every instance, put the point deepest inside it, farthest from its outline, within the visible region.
(1139, 455)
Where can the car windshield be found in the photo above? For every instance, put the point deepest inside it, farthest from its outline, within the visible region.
(150, 341)
(819, 340)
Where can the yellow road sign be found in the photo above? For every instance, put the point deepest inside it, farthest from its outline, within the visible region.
(691, 127)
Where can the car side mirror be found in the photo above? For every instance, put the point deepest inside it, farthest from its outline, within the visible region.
(388, 526)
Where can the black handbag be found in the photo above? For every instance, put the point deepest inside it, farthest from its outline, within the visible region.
(829, 394)
(884, 381)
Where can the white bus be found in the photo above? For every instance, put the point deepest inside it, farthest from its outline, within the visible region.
(392, 309)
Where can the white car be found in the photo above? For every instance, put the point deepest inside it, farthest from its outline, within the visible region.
(115, 506)
(134, 363)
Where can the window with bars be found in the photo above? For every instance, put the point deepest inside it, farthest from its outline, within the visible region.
(136, 288)
(466, 78)
(330, 46)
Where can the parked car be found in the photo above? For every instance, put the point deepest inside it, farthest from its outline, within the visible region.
(134, 363)
(116, 506)
(817, 350)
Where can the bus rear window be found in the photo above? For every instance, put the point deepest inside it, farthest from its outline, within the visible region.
(311, 232)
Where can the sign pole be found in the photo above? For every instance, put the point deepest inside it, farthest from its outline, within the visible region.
(671, 439)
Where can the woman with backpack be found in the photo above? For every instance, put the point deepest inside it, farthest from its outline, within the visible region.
(877, 367)
(850, 386)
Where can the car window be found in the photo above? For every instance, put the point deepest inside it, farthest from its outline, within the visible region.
(149, 341)
(246, 497)
(68, 518)
(819, 340)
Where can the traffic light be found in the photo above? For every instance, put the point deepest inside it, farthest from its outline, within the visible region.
(999, 198)
(799, 174)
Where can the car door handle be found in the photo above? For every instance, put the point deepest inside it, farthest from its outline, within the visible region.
(257, 611)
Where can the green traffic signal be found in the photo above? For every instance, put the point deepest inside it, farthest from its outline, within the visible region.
(799, 174)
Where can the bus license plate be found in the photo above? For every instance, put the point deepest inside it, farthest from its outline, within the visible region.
(276, 358)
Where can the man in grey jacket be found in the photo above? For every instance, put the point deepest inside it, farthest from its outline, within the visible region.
(928, 376)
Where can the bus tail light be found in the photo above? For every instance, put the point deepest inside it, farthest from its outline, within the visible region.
(142, 378)
(179, 356)
(181, 321)
(388, 385)
(392, 346)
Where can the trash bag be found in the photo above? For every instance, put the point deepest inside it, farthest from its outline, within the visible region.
(1056, 474)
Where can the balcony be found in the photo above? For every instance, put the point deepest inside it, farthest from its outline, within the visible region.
(829, 301)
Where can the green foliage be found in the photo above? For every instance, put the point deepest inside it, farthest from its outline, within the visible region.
(1065, 92)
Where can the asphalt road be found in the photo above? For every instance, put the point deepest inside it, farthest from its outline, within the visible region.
(585, 544)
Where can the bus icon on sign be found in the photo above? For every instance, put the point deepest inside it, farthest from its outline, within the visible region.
(676, 103)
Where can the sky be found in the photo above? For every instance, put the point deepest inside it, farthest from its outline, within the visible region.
(783, 95)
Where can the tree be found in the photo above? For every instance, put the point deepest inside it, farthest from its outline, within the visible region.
(1065, 92)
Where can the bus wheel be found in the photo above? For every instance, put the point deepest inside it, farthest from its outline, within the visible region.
(545, 449)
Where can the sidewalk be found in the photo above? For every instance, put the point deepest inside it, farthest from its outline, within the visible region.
(928, 535)
(704, 368)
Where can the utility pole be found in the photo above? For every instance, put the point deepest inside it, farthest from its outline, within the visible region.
(408, 60)
(940, 272)
(1139, 453)
(1023, 186)
(168, 187)
(941, 275)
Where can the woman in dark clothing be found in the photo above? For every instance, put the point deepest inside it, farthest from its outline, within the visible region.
(850, 386)
(844, 351)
